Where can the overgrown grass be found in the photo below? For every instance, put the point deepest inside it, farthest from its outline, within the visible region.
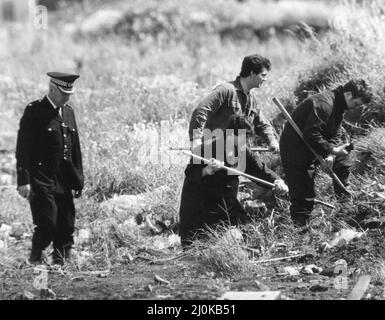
(127, 87)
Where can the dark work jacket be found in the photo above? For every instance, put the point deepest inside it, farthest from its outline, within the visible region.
(224, 101)
(212, 199)
(48, 154)
(319, 118)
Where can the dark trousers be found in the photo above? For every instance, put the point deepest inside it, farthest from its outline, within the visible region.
(300, 180)
(54, 217)
(198, 210)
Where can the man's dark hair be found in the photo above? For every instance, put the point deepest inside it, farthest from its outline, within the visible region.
(359, 89)
(254, 63)
(237, 122)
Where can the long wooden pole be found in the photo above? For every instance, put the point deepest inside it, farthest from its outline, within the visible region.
(318, 157)
(235, 171)
(252, 178)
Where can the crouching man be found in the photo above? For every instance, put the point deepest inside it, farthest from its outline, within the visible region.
(319, 118)
(209, 194)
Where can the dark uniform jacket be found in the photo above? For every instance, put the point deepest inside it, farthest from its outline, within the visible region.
(319, 118)
(48, 151)
(212, 199)
(225, 100)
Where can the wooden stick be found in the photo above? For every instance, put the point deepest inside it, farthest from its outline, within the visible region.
(318, 157)
(281, 258)
(252, 178)
(324, 204)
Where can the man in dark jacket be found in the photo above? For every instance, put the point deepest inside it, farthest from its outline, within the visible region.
(231, 98)
(319, 118)
(209, 194)
(49, 167)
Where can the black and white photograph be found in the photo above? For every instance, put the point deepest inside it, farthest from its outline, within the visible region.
(190, 156)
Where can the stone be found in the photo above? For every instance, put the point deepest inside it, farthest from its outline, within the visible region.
(344, 236)
(234, 234)
(318, 288)
(251, 295)
(291, 271)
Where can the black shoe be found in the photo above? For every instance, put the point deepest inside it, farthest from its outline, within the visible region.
(36, 256)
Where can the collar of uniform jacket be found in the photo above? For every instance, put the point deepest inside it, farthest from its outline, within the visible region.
(340, 100)
(54, 105)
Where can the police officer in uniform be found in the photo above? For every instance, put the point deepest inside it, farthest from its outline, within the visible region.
(49, 167)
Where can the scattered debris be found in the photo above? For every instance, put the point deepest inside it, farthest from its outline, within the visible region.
(161, 242)
(281, 258)
(251, 295)
(311, 269)
(344, 236)
(291, 271)
(341, 262)
(360, 288)
(159, 280)
(234, 234)
(102, 275)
